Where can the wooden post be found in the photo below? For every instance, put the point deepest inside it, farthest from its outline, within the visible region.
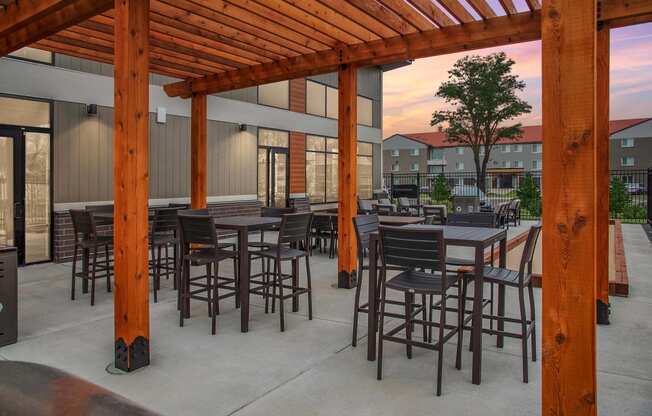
(198, 151)
(602, 176)
(347, 126)
(569, 207)
(130, 184)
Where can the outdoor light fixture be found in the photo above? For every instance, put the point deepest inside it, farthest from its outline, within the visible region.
(161, 115)
(91, 110)
(243, 127)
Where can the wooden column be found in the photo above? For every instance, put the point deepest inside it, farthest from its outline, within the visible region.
(198, 122)
(347, 126)
(130, 184)
(602, 176)
(569, 207)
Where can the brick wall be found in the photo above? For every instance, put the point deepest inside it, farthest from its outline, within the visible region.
(64, 236)
(297, 162)
(298, 95)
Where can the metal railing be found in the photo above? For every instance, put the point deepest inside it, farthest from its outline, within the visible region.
(629, 196)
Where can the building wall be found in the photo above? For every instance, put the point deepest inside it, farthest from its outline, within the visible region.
(641, 152)
(83, 156)
(297, 163)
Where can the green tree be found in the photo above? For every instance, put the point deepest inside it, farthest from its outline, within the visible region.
(441, 191)
(618, 196)
(530, 195)
(482, 95)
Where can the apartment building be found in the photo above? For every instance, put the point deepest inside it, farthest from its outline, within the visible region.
(430, 152)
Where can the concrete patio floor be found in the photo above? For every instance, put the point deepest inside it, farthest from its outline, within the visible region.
(311, 369)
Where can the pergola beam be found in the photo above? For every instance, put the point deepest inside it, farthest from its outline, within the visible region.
(482, 34)
(569, 207)
(27, 22)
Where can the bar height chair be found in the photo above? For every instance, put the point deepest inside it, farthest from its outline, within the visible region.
(520, 279)
(294, 233)
(200, 247)
(87, 239)
(162, 236)
(415, 250)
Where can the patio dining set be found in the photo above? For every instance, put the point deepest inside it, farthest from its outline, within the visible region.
(409, 275)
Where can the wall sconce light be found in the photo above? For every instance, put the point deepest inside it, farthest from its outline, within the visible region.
(161, 115)
(91, 110)
(243, 127)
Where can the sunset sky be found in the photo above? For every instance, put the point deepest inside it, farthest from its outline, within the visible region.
(409, 92)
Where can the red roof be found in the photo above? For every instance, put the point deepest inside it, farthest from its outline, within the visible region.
(531, 134)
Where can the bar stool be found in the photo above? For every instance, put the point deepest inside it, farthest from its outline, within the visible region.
(162, 236)
(200, 247)
(293, 233)
(87, 239)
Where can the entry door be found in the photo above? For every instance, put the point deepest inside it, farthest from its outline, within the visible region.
(12, 190)
(273, 176)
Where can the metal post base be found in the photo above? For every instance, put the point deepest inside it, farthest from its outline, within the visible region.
(132, 357)
(346, 280)
(603, 312)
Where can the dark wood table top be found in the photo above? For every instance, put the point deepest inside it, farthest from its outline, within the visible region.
(466, 235)
(250, 222)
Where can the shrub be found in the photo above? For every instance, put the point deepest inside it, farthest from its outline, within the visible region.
(530, 196)
(441, 191)
(619, 198)
(634, 212)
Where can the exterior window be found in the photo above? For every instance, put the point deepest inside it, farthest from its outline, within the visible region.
(414, 152)
(459, 165)
(331, 102)
(481, 151)
(627, 161)
(436, 154)
(276, 94)
(365, 111)
(321, 169)
(536, 164)
(395, 152)
(315, 98)
(29, 113)
(627, 143)
(506, 148)
(536, 148)
(365, 170)
(518, 148)
(33, 54)
(507, 164)
(518, 164)
(273, 138)
(414, 167)
(395, 167)
(460, 150)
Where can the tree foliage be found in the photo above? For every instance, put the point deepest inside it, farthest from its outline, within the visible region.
(530, 195)
(481, 92)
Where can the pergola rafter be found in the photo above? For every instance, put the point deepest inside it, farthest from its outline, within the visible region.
(220, 45)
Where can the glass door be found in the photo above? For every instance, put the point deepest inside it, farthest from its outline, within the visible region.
(273, 176)
(12, 193)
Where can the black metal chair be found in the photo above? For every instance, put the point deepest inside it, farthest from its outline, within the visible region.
(502, 215)
(200, 247)
(415, 250)
(364, 225)
(365, 207)
(437, 213)
(321, 232)
(520, 280)
(385, 207)
(162, 236)
(514, 212)
(87, 239)
(294, 231)
(270, 213)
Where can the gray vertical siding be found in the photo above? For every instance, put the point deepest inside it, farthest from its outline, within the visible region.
(231, 159)
(83, 156)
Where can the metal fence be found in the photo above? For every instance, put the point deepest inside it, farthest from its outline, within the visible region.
(629, 197)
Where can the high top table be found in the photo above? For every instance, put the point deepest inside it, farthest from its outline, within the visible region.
(477, 237)
(395, 220)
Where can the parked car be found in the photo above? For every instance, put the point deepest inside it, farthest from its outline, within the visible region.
(635, 188)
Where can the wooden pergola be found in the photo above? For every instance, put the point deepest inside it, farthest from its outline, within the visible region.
(220, 45)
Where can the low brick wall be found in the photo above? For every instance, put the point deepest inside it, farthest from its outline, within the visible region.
(64, 238)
